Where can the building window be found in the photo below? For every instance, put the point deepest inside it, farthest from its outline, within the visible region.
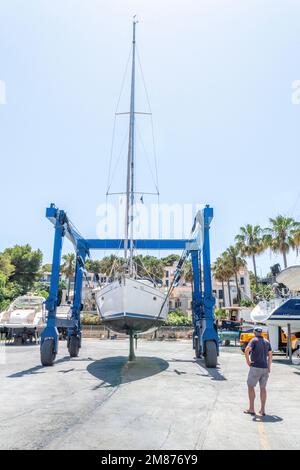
(221, 294)
(242, 281)
(177, 303)
(167, 273)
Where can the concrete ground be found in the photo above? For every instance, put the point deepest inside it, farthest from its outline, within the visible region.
(166, 400)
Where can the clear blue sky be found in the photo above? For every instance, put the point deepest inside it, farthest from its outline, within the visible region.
(219, 75)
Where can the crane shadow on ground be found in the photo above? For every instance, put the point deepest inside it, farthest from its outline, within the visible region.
(213, 373)
(39, 369)
(118, 370)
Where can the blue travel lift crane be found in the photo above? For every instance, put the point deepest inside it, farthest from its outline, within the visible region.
(205, 337)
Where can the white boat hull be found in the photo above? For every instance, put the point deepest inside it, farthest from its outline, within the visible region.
(278, 312)
(127, 305)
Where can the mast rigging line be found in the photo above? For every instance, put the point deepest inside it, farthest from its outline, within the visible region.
(177, 275)
(128, 242)
(150, 109)
(176, 278)
(117, 163)
(114, 125)
(155, 181)
(130, 192)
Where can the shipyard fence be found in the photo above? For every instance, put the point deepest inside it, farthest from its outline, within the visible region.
(162, 333)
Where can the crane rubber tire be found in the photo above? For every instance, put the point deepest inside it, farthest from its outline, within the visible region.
(73, 346)
(211, 355)
(47, 352)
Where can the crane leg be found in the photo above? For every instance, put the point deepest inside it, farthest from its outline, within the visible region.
(49, 336)
(74, 333)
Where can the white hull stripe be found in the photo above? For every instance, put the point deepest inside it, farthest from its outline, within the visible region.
(283, 318)
(131, 315)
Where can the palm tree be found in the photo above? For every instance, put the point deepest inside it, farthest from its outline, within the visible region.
(149, 266)
(188, 272)
(219, 274)
(296, 239)
(223, 272)
(250, 243)
(235, 262)
(170, 259)
(68, 268)
(93, 266)
(110, 265)
(280, 236)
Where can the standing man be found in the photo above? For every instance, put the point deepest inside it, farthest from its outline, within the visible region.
(258, 355)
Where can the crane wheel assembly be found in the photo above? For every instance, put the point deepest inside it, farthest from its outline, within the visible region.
(48, 352)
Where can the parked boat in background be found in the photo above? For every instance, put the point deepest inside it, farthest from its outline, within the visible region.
(24, 319)
(283, 310)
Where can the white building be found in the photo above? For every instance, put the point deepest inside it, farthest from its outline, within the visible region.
(181, 297)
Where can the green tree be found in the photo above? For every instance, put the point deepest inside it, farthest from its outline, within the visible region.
(280, 235)
(41, 293)
(93, 266)
(170, 259)
(27, 264)
(250, 243)
(177, 318)
(6, 266)
(8, 291)
(88, 319)
(47, 268)
(4, 300)
(220, 313)
(111, 265)
(149, 266)
(68, 269)
(263, 291)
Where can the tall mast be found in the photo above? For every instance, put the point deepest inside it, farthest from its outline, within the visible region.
(128, 245)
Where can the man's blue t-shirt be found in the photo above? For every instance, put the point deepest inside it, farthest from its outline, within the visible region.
(260, 348)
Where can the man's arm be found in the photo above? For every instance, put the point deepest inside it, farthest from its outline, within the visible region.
(270, 357)
(247, 355)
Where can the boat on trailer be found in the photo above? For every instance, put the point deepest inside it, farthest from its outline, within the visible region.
(24, 319)
(284, 310)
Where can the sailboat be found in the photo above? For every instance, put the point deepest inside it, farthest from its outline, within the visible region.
(131, 304)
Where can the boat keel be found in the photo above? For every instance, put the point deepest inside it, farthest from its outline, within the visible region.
(131, 357)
